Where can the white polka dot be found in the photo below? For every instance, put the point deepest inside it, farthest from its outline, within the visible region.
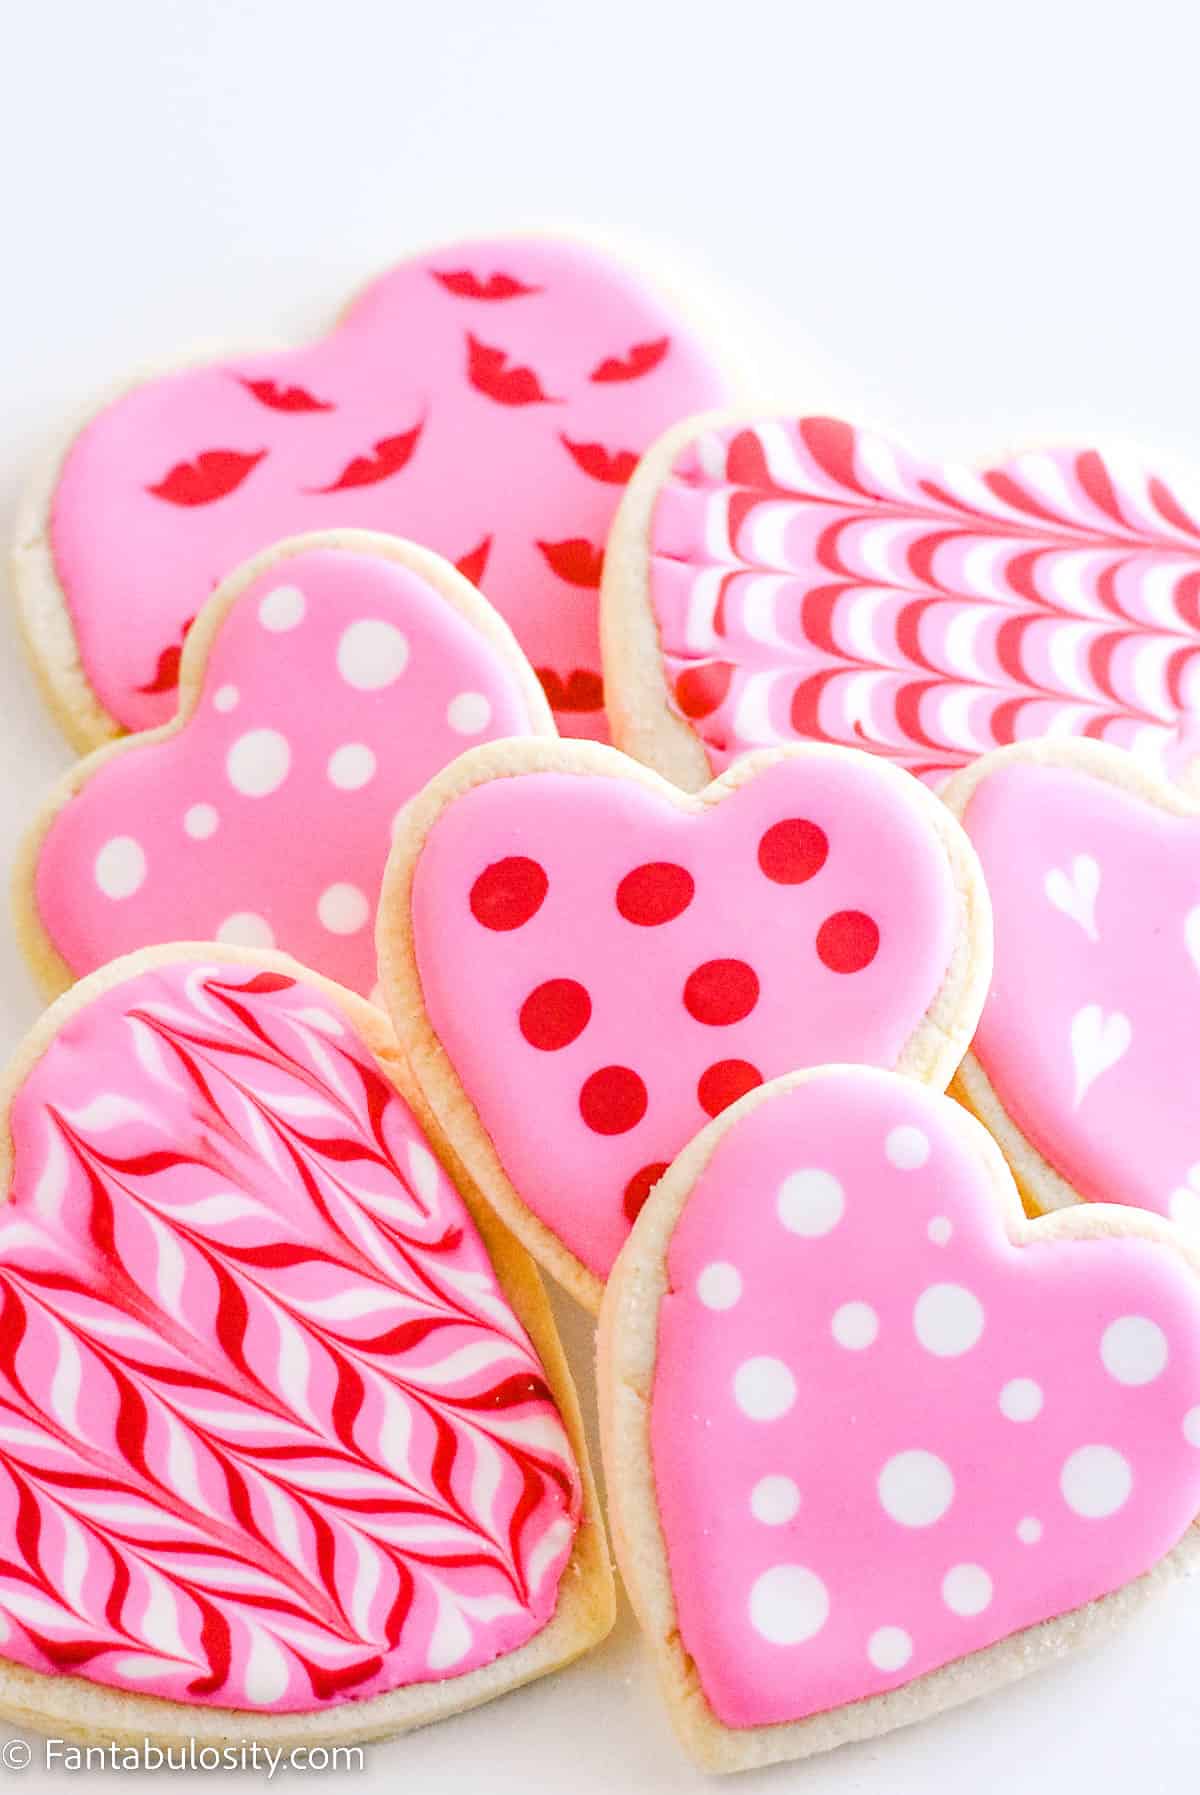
(719, 1285)
(200, 821)
(889, 1648)
(469, 713)
(916, 1488)
(1021, 1399)
(343, 909)
(1191, 1427)
(855, 1325)
(226, 698)
(1134, 1350)
(774, 1501)
(1029, 1530)
(967, 1589)
(788, 1605)
(351, 766)
(1096, 1482)
(258, 763)
(120, 867)
(939, 1230)
(764, 1389)
(1184, 1207)
(245, 929)
(371, 654)
(810, 1202)
(948, 1320)
(282, 609)
(907, 1147)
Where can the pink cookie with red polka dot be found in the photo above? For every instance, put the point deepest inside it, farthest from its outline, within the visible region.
(875, 1442)
(585, 964)
(321, 686)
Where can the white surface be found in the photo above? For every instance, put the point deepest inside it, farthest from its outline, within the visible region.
(986, 212)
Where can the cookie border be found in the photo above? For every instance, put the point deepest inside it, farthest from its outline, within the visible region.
(74, 1707)
(50, 970)
(626, 1352)
(930, 1055)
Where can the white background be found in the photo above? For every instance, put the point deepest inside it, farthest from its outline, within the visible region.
(974, 222)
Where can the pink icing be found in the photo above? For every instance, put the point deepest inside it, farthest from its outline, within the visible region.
(811, 580)
(270, 1435)
(392, 422)
(883, 1436)
(1096, 897)
(341, 682)
(560, 1078)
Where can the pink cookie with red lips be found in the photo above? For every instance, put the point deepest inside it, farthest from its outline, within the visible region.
(288, 1448)
(780, 579)
(321, 687)
(440, 379)
(584, 963)
(1083, 1063)
(874, 1442)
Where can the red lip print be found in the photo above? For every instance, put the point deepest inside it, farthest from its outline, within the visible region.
(166, 674)
(640, 360)
(466, 285)
(577, 560)
(284, 398)
(212, 475)
(615, 468)
(391, 454)
(472, 565)
(581, 691)
(487, 372)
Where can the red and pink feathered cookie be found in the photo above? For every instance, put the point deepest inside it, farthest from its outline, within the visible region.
(288, 1447)
(781, 579)
(584, 964)
(874, 1442)
(488, 399)
(319, 689)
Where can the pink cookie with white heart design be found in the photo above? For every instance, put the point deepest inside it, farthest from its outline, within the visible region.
(874, 1442)
(584, 963)
(441, 378)
(781, 579)
(1082, 1066)
(321, 687)
(288, 1448)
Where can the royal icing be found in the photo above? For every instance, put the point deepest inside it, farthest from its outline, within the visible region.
(1089, 1033)
(338, 683)
(811, 580)
(606, 969)
(883, 1435)
(442, 378)
(270, 1435)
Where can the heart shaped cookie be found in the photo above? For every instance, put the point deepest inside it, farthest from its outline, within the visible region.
(584, 963)
(873, 1441)
(288, 1448)
(779, 579)
(440, 377)
(1082, 1066)
(320, 687)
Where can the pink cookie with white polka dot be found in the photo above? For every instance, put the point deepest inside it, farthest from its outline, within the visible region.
(321, 686)
(874, 1441)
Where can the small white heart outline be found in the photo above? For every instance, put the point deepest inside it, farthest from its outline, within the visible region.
(1075, 893)
(1097, 1043)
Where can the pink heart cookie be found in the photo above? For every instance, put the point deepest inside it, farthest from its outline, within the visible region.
(1082, 1066)
(778, 579)
(874, 1442)
(287, 1444)
(585, 964)
(321, 687)
(440, 379)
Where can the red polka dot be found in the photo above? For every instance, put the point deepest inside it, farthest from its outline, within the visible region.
(792, 851)
(699, 691)
(724, 1083)
(613, 1100)
(507, 893)
(721, 991)
(555, 1014)
(848, 941)
(639, 1188)
(657, 892)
